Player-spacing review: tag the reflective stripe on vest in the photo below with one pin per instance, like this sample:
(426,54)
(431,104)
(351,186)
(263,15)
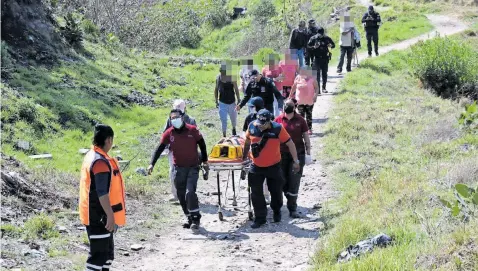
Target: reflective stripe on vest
(116,192)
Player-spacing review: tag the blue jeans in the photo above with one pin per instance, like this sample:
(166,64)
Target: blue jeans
(300,55)
(224,111)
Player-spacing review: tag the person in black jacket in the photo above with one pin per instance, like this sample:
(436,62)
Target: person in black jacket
(311,31)
(263,87)
(298,42)
(371,21)
(320,45)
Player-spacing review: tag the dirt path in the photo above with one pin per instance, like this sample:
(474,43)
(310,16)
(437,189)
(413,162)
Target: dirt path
(231,244)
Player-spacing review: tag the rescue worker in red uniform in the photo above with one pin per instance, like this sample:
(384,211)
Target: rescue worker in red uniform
(264,138)
(298,129)
(183,140)
(102,199)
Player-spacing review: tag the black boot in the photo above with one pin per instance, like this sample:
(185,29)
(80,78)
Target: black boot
(188,223)
(195,221)
(257,223)
(223,134)
(277,216)
(234,131)
(294,214)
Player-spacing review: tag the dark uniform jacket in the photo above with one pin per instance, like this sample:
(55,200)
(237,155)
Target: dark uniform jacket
(298,39)
(323,42)
(371,21)
(265,89)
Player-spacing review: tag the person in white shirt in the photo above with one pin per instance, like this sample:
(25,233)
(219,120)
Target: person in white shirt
(347,42)
(247,67)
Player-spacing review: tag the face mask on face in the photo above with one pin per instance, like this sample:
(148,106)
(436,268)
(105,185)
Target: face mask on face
(177,123)
(288,109)
(253,109)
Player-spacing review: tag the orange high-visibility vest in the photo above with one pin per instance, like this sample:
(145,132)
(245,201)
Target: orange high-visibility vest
(116,193)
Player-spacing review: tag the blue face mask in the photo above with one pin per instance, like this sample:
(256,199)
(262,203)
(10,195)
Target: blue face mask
(252,109)
(177,123)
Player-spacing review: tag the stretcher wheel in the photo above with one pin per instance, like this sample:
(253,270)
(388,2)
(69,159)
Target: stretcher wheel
(221,217)
(251,216)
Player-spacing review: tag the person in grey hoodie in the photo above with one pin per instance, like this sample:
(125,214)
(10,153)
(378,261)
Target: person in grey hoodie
(347,42)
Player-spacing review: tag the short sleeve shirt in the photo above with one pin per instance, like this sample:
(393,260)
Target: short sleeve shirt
(183,144)
(270,154)
(289,69)
(273,73)
(296,127)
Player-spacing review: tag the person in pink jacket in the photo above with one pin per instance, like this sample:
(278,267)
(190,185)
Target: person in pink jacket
(305,90)
(273,71)
(289,69)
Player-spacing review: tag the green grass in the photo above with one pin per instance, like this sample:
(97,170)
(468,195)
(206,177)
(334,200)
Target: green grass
(392,147)
(40,226)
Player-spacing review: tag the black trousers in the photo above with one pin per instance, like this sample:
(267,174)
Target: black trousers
(305,111)
(274,177)
(309,57)
(345,50)
(292,180)
(101,253)
(372,35)
(322,67)
(186,180)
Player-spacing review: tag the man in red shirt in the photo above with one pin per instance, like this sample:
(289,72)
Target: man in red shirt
(183,139)
(297,128)
(264,138)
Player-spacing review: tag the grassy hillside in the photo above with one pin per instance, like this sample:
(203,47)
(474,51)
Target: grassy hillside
(394,149)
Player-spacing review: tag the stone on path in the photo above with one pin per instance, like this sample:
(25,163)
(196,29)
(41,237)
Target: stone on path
(136,247)
(83,151)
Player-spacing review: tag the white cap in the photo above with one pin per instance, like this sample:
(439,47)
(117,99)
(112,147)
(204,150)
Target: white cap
(179,104)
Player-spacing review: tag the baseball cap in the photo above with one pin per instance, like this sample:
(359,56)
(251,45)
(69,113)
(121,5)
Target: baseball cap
(253,72)
(257,102)
(264,116)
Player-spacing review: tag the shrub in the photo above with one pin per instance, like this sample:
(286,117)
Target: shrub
(10,230)
(40,226)
(264,11)
(89,28)
(72,31)
(446,66)
(469,119)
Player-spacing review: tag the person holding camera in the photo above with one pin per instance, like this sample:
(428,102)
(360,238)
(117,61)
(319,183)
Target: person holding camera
(371,21)
(264,138)
(183,140)
(320,43)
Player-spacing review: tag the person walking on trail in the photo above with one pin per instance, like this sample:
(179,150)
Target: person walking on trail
(247,67)
(347,43)
(297,128)
(289,69)
(263,87)
(312,30)
(371,21)
(305,90)
(273,71)
(179,104)
(255,105)
(102,199)
(320,44)
(298,42)
(264,137)
(226,94)
(183,140)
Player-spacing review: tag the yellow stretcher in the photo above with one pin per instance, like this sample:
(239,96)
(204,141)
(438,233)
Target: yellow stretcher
(226,155)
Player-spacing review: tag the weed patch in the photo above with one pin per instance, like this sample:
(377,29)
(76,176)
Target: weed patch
(389,138)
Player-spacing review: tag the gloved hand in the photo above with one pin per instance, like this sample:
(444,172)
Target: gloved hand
(308,159)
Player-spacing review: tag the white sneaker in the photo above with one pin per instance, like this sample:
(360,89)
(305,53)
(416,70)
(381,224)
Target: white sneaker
(173,199)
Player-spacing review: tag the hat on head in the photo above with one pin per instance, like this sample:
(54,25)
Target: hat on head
(257,102)
(311,21)
(264,116)
(179,104)
(253,72)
